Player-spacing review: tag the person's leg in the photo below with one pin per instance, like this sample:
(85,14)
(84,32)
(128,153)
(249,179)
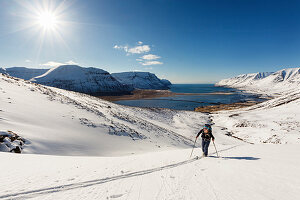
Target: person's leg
(203,146)
(206,147)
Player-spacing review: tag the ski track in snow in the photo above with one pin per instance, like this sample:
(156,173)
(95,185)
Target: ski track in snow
(62,188)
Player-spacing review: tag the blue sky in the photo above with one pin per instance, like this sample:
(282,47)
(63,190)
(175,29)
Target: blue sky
(183,41)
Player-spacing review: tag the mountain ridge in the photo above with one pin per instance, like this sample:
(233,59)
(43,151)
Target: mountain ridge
(89,80)
(142,80)
(273,83)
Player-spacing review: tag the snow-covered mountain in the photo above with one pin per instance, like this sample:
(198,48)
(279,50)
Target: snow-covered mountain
(80,79)
(25,73)
(89,80)
(243,79)
(285,80)
(142,80)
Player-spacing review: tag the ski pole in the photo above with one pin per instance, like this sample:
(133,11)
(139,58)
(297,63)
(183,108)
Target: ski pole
(193,148)
(215,148)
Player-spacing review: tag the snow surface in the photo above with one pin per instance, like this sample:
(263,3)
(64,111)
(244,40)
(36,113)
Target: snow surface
(68,124)
(142,80)
(80,79)
(244,172)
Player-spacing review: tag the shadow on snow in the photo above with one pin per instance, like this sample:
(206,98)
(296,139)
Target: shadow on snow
(237,158)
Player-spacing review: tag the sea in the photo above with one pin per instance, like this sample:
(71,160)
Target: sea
(190,102)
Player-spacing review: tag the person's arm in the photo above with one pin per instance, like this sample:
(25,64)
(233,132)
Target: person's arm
(199,133)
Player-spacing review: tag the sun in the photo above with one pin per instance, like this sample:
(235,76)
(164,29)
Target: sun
(47,20)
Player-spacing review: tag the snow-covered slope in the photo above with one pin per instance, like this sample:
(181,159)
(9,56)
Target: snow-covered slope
(86,80)
(274,121)
(25,73)
(62,122)
(282,81)
(142,80)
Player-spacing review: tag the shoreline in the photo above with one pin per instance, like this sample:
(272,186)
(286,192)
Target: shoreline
(140,94)
(222,107)
(150,94)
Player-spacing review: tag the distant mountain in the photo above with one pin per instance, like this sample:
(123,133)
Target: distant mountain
(272,82)
(142,80)
(25,73)
(243,79)
(90,80)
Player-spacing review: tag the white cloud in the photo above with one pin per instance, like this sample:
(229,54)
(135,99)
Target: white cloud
(56,64)
(28,61)
(152,63)
(139,49)
(52,64)
(150,57)
(134,50)
(125,48)
(71,62)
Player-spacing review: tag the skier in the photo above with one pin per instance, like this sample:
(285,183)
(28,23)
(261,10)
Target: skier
(206,136)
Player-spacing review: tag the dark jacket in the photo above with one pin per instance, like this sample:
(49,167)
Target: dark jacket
(206,136)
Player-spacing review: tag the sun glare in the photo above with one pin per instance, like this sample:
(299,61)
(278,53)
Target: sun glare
(47,20)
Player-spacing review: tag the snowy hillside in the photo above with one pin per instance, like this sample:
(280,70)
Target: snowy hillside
(282,81)
(275,121)
(25,73)
(86,80)
(142,80)
(62,122)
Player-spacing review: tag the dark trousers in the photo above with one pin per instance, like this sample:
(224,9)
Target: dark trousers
(205,144)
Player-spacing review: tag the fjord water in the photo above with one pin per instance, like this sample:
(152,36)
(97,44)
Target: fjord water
(190,102)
